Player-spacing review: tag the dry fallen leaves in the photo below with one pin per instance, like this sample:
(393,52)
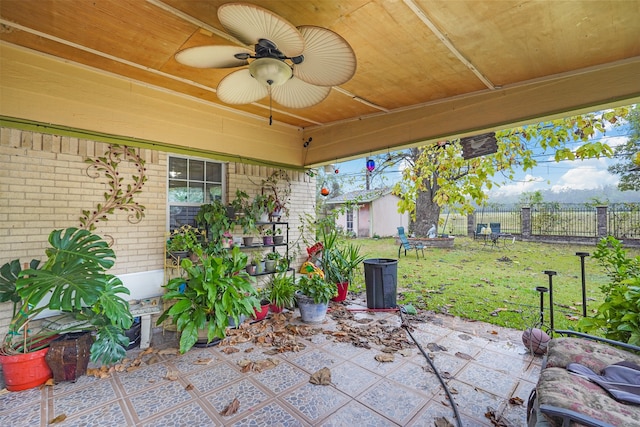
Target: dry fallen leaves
(384,357)
(231,409)
(60,418)
(321,377)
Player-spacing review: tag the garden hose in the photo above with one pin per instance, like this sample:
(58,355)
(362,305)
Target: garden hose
(410,310)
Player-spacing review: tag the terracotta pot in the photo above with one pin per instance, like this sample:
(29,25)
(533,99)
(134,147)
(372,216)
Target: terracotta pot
(343,290)
(25,370)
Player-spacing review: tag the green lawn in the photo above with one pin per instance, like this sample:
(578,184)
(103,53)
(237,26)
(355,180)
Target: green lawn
(496,285)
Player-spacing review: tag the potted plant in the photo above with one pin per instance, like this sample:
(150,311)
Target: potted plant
(213,218)
(74,280)
(262,207)
(216,290)
(339,264)
(281,291)
(278,238)
(246,216)
(278,187)
(261,313)
(271,260)
(312,296)
(185,241)
(267,236)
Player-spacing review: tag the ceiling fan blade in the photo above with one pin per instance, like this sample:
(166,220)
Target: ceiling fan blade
(328,58)
(297,94)
(212,56)
(240,88)
(249,23)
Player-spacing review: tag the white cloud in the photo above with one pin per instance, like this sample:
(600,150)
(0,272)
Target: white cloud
(529,183)
(584,177)
(614,141)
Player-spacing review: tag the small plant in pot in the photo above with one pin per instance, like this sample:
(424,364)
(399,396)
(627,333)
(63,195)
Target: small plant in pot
(312,296)
(184,241)
(216,290)
(246,216)
(267,237)
(271,261)
(281,291)
(261,313)
(278,238)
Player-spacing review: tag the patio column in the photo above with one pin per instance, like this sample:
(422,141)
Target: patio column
(601,218)
(471,224)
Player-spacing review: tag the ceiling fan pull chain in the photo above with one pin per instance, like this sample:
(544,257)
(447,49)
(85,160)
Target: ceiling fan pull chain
(270,107)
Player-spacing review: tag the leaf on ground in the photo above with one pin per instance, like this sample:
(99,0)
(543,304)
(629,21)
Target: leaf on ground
(464,356)
(189,387)
(168,351)
(50,382)
(406,352)
(229,350)
(442,422)
(60,418)
(573,317)
(203,361)
(384,357)
(321,377)
(498,310)
(171,376)
(516,401)
(146,351)
(231,409)
(435,347)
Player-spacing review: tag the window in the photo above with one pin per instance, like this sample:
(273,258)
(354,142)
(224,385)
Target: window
(350,220)
(192,183)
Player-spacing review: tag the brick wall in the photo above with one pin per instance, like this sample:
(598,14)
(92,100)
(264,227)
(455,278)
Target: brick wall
(44,186)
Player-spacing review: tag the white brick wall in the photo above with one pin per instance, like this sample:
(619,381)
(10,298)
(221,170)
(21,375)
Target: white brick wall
(44,186)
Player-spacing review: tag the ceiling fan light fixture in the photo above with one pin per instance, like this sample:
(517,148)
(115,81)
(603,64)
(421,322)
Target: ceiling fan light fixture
(270,71)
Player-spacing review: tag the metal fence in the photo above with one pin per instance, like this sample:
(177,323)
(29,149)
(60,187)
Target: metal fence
(623,220)
(566,219)
(553,219)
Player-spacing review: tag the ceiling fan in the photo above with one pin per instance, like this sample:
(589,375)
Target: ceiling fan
(295,67)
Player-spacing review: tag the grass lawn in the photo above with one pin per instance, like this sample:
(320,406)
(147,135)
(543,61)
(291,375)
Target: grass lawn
(494,284)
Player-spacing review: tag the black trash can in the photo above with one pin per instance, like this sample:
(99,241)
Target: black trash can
(381,281)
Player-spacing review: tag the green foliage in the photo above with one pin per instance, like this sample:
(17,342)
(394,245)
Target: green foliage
(74,278)
(282,289)
(213,218)
(216,289)
(629,155)
(316,287)
(618,317)
(441,173)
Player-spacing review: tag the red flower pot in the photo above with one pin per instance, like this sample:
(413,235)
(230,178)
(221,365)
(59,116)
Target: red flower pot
(275,309)
(25,370)
(343,289)
(262,313)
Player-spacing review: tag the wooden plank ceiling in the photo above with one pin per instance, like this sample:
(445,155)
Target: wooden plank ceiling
(410,54)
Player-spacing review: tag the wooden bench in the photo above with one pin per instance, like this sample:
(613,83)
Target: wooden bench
(143,309)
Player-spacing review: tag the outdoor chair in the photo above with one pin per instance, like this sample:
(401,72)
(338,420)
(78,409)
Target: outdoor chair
(478,233)
(407,245)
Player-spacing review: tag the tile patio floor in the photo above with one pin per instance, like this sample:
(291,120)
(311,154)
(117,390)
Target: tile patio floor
(484,366)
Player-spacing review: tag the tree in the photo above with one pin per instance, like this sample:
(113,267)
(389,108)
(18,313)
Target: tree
(439,176)
(629,153)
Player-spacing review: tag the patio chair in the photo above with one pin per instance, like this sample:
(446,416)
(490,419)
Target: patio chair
(479,231)
(407,245)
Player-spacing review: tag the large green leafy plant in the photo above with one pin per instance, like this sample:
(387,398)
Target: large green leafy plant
(618,317)
(74,279)
(216,288)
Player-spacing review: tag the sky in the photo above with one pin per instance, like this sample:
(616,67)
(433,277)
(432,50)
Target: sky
(547,175)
